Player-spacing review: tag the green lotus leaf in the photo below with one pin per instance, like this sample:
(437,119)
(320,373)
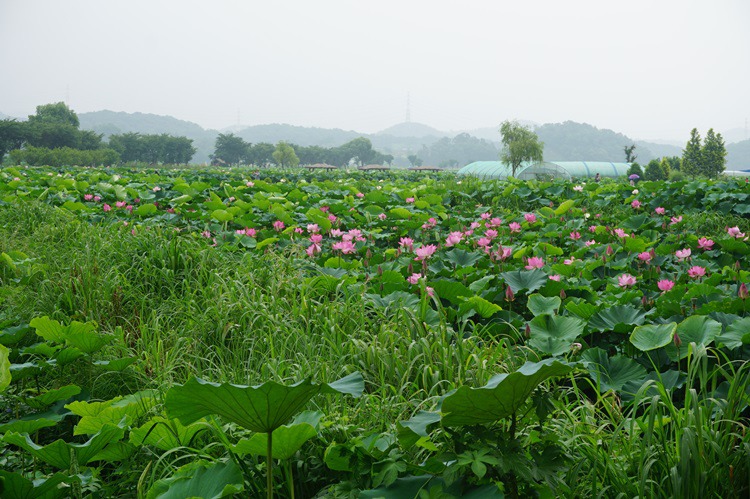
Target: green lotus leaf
(554,334)
(652,336)
(199,479)
(261,408)
(541,305)
(733,337)
(619,318)
(502,396)
(165,434)
(15,485)
(51,396)
(484,308)
(5,376)
(530,280)
(612,373)
(698,329)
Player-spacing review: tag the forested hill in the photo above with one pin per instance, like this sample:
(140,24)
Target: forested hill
(738,156)
(568,141)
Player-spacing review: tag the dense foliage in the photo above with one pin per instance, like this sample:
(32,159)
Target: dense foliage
(210,333)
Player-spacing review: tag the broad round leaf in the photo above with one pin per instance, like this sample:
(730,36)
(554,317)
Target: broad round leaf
(698,329)
(553,334)
(612,373)
(652,336)
(540,305)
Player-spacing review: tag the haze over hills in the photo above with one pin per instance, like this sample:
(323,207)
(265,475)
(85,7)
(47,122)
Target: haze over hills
(568,141)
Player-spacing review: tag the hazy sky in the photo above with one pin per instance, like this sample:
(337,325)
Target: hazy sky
(646,68)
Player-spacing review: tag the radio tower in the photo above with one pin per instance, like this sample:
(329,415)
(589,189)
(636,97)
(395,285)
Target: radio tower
(408,107)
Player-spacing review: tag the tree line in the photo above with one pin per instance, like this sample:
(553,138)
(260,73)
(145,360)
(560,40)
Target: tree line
(706,158)
(52,137)
(233,150)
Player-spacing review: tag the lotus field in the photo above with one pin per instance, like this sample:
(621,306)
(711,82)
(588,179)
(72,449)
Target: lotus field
(241,333)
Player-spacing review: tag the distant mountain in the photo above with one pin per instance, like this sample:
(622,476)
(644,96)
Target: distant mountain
(112,123)
(409,129)
(657,149)
(738,155)
(300,135)
(735,135)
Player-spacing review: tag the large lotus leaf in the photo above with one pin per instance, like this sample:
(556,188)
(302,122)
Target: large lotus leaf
(26,425)
(4,368)
(87,340)
(49,329)
(94,415)
(261,408)
(462,258)
(200,480)
(582,309)
(564,207)
(285,441)
(51,396)
(318,217)
(395,300)
(734,334)
(453,291)
(412,487)
(698,329)
(541,305)
(166,434)
(415,429)
(16,486)
(145,210)
(619,318)
(553,334)
(502,396)
(484,308)
(652,336)
(525,279)
(57,453)
(735,246)
(12,335)
(612,373)
(82,336)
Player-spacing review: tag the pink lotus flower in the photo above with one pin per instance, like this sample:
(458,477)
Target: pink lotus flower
(626,281)
(555,277)
(360,195)
(696,271)
(504,253)
(106,207)
(495,222)
(313,228)
(324,209)
(578,188)
(569,261)
(312,250)
(635,204)
(485,215)
(410,200)
(88,197)
(156,188)
(453,239)
(299,230)
(250,183)
(621,233)
(645,256)
(592,228)
(682,254)
(490,234)
(332,218)
(534,263)
(742,292)
(475,225)
(130,209)
(514,227)
(530,217)
(382,216)
(484,242)
(575,235)
(97,198)
(430,292)
(665,285)
(735,232)
(705,244)
(120,204)
(206,234)
(675,220)
(278,225)
(425,252)
(344,247)
(407,243)
(660,211)
(590,242)
(248,231)
(315,238)
(414,278)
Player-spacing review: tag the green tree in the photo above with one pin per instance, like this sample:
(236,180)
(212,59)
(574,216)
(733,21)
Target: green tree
(629,156)
(284,155)
(713,154)
(635,169)
(360,150)
(13,134)
(230,149)
(414,160)
(519,144)
(692,156)
(654,171)
(261,154)
(57,114)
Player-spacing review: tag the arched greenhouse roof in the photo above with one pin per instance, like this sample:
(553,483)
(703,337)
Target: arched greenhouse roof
(546,169)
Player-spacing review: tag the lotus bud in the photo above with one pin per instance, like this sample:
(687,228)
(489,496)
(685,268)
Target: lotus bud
(509,295)
(644,300)
(562,294)
(743,293)
(368,254)
(380,270)
(528,331)
(658,269)
(677,340)
(737,265)
(575,347)
(610,251)
(410,269)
